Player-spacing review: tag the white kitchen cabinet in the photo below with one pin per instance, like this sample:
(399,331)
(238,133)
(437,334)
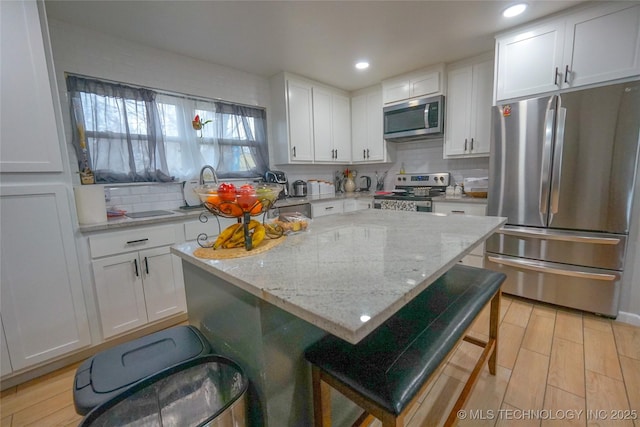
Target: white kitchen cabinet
(5,359)
(367,143)
(351,205)
(476,256)
(589,46)
(292,119)
(28,116)
(469,102)
(412,85)
(329,207)
(137,279)
(42,302)
(331,126)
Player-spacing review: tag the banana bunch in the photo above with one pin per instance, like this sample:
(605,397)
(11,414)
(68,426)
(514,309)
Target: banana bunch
(233,236)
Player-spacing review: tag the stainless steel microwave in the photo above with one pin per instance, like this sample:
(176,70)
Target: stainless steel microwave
(416,119)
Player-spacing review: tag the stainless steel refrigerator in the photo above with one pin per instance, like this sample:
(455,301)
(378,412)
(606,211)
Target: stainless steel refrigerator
(562,170)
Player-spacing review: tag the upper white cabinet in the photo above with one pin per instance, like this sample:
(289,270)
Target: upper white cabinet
(42,302)
(589,46)
(29,140)
(412,85)
(331,126)
(312,122)
(469,101)
(367,143)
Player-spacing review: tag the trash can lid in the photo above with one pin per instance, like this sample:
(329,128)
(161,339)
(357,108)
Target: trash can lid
(130,362)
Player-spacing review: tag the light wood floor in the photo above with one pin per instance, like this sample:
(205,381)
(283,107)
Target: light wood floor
(553,363)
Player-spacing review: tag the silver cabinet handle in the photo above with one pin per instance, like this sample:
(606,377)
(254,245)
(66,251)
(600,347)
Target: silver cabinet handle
(566,74)
(528,233)
(555,77)
(294,151)
(458,212)
(465,144)
(367,153)
(541,268)
(131,242)
(364,153)
(471,149)
(336,153)
(328,208)
(146,265)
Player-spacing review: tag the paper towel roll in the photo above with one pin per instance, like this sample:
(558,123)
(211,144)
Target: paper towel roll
(90,204)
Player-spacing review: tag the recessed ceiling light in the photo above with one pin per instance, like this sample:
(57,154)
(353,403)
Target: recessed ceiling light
(362,65)
(514,10)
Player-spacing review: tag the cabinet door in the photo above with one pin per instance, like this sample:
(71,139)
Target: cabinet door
(42,301)
(341,125)
(602,44)
(528,62)
(28,133)
(300,121)
(458,116)
(481,103)
(322,126)
(396,90)
(377,146)
(120,295)
(163,283)
(359,129)
(326,208)
(5,360)
(425,84)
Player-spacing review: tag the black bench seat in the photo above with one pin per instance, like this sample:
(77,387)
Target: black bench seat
(386,371)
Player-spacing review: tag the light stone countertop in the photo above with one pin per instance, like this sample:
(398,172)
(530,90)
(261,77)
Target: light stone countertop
(176,215)
(463,199)
(351,272)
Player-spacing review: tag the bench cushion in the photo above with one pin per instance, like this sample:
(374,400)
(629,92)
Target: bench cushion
(389,365)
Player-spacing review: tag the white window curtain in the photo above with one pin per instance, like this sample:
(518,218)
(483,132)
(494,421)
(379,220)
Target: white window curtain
(138,134)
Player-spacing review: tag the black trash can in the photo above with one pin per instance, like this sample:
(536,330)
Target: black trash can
(110,372)
(209,391)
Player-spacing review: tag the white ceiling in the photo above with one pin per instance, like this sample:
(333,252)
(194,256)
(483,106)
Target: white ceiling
(318,39)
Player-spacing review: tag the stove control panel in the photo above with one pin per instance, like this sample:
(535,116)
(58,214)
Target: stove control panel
(423,179)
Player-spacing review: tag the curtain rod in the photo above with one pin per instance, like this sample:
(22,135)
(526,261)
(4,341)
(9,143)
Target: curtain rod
(164,91)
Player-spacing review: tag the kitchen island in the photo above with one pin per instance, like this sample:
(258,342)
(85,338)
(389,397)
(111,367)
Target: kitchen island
(345,276)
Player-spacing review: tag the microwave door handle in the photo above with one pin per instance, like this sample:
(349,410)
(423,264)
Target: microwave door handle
(427,110)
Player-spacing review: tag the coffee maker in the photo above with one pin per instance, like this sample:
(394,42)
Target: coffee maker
(278,177)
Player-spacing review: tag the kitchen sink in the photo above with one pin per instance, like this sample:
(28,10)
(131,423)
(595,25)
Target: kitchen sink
(147,214)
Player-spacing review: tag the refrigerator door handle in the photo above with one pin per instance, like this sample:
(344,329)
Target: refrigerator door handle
(546,162)
(557,162)
(564,237)
(539,266)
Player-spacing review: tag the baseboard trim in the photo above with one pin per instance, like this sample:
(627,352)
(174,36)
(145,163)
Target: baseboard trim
(36,371)
(630,318)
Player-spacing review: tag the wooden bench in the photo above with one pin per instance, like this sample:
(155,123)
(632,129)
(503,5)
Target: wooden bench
(388,370)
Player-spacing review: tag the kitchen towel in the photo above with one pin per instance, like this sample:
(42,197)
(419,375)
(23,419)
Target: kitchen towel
(90,204)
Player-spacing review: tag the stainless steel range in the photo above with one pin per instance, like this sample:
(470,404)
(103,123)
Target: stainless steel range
(413,192)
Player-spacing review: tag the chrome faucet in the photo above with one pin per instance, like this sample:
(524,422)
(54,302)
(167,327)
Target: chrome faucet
(213,171)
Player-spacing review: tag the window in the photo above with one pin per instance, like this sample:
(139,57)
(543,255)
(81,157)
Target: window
(127,134)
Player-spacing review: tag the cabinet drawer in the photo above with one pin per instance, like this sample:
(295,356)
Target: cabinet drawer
(460,208)
(326,208)
(131,240)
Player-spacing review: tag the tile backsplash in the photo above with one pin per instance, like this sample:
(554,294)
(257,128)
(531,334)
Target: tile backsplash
(145,197)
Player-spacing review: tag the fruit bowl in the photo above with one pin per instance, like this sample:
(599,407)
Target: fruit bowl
(228,201)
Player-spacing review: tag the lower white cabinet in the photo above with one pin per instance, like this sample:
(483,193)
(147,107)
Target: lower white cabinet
(135,282)
(42,302)
(360,203)
(476,256)
(5,360)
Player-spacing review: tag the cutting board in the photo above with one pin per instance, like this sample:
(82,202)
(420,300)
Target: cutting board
(190,197)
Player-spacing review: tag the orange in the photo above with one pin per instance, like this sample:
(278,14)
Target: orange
(230,209)
(257,209)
